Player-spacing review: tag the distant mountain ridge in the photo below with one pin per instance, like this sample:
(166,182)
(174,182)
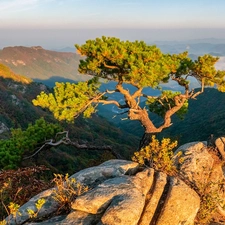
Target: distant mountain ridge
(41,64)
(194,47)
(65,49)
(48,66)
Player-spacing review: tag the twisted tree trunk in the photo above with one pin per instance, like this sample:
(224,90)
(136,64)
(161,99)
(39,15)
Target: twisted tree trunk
(145,140)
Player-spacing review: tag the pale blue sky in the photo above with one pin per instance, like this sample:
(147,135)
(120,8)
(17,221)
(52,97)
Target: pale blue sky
(112,13)
(145,19)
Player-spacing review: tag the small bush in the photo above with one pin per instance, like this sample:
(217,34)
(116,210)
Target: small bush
(40,202)
(210,201)
(66,191)
(158,155)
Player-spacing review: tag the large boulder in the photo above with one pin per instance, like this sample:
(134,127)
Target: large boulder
(220,144)
(121,193)
(116,198)
(48,208)
(88,177)
(181,204)
(153,198)
(203,170)
(197,164)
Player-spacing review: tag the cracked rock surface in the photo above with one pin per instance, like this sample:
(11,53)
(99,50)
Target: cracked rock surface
(120,194)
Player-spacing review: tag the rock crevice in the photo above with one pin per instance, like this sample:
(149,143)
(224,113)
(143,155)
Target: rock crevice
(120,194)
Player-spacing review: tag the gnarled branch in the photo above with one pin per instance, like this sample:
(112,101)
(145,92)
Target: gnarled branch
(137,93)
(66,141)
(110,67)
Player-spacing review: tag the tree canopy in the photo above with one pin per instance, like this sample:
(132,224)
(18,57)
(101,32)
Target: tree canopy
(140,65)
(70,99)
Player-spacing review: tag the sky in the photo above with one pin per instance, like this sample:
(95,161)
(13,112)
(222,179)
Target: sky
(62,23)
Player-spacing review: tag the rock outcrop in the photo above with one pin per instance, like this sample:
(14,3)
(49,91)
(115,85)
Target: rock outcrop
(123,193)
(203,170)
(120,193)
(197,164)
(3,128)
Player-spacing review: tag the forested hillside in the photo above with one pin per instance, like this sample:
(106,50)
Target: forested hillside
(16,93)
(17,111)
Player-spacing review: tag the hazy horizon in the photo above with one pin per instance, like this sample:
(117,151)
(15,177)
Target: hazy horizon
(62,23)
(56,39)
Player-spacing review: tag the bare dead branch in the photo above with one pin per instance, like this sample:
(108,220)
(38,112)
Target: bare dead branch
(66,141)
(110,92)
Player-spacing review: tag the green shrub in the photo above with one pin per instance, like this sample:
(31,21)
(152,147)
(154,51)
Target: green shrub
(25,142)
(158,155)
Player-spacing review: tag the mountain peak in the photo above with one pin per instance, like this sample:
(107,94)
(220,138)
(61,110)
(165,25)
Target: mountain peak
(37,48)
